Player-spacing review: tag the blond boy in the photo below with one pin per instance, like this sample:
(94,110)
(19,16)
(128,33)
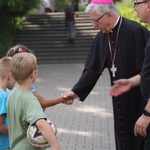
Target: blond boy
(23,107)
(6,81)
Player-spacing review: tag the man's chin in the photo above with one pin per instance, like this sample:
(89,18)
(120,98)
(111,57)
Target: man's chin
(104,31)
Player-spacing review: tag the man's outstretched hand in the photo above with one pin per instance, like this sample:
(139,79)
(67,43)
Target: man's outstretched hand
(120,86)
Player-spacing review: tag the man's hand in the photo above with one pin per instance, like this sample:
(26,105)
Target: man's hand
(123,85)
(69,97)
(120,86)
(141,125)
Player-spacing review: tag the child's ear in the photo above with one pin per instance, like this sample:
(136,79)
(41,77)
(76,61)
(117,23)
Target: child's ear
(33,74)
(10,75)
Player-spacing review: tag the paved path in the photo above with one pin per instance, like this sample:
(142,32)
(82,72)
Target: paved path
(84,125)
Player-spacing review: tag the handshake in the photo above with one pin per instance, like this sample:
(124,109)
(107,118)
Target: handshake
(68,97)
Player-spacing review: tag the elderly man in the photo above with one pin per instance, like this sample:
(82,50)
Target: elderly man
(119,47)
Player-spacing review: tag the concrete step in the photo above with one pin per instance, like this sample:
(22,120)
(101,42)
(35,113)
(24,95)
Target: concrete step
(47,37)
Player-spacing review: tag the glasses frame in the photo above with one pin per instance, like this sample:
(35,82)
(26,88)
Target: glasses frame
(97,20)
(138,3)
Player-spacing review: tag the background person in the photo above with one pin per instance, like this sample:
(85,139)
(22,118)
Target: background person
(142,125)
(70,22)
(47,6)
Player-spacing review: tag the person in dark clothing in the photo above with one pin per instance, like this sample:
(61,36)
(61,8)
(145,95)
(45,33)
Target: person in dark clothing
(47,6)
(76,5)
(70,23)
(119,47)
(142,125)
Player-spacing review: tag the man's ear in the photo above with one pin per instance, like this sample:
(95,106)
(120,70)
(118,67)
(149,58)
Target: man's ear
(148,8)
(109,14)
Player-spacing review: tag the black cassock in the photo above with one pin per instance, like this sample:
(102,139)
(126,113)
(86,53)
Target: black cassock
(128,107)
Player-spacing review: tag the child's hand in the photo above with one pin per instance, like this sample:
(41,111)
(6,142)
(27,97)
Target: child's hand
(69,97)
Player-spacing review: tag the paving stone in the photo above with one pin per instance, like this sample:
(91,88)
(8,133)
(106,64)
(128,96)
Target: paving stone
(84,125)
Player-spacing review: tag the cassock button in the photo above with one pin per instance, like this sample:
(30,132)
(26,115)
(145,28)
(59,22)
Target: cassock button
(120,116)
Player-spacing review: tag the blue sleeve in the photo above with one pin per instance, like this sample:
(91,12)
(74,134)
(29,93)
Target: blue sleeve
(3,100)
(8,91)
(32,89)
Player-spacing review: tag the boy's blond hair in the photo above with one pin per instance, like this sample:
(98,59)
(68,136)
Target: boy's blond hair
(4,67)
(22,66)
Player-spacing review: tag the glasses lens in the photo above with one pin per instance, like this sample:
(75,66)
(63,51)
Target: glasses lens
(97,20)
(135,4)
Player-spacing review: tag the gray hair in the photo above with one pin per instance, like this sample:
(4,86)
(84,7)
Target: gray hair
(102,8)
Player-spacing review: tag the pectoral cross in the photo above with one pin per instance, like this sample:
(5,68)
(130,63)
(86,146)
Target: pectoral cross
(113,70)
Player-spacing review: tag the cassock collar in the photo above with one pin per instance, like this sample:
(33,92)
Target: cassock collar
(116,24)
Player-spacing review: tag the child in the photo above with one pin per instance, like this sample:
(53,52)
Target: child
(23,107)
(44,102)
(6,81)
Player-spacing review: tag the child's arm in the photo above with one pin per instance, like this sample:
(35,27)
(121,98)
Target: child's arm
(48,102)
(3,127)
(48,133)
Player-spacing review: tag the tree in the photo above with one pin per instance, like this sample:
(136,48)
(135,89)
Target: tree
(12,14)
(10,10)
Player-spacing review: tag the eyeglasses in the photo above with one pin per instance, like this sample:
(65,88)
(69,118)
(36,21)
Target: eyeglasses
(97,20)
(138,3)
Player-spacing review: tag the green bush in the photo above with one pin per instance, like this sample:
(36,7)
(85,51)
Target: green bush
(13,13)
(59,6)
(81,7)
(8,30)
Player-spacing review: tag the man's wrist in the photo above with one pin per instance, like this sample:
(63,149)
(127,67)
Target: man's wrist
(135,81)
(146,112)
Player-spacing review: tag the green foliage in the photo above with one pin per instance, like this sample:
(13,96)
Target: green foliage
(61,5)
(117,1)
(13,13)
(6,38)
(81,7)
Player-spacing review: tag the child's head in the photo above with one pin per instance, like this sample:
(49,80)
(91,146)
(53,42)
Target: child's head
(5,73)
(18,49)
(23,66)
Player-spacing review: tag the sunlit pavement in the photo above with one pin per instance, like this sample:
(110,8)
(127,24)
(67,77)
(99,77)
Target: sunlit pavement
(84,125)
